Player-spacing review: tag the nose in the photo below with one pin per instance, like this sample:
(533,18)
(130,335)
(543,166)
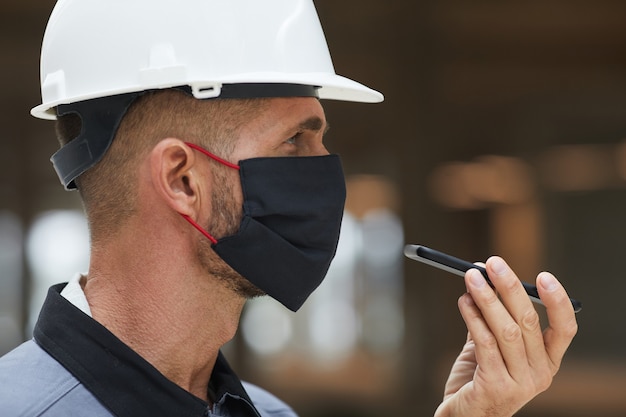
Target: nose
(320,150)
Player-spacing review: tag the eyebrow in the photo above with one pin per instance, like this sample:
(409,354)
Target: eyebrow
(314,123)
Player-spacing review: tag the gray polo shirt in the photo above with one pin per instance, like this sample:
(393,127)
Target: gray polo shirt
(76,367)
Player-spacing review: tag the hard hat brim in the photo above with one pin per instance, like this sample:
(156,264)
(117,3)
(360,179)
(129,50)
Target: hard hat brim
(330,87)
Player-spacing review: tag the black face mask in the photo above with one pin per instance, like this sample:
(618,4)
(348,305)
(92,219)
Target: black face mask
(292,214)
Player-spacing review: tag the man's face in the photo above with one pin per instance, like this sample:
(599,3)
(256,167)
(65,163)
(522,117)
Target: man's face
(283,127)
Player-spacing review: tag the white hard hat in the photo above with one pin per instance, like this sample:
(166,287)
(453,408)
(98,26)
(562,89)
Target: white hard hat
(100,48)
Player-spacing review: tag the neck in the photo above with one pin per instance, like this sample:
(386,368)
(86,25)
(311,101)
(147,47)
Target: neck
(173,313)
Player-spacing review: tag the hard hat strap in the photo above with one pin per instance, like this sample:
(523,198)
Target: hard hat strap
(100,119)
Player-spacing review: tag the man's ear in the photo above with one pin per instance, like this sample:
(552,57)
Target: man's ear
(174,174)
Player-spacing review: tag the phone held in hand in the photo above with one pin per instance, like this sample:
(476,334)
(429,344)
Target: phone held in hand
(459,267)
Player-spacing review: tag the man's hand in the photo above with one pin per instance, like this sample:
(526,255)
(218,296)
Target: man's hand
(507,359)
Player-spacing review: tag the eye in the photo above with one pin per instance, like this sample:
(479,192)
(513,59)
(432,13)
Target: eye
(292,140)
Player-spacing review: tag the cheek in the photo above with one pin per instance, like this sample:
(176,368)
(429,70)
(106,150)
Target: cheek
(314,148)
(227,204)
(228,188)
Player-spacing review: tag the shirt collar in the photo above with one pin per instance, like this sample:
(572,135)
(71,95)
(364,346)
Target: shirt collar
(74,293)
(122,380)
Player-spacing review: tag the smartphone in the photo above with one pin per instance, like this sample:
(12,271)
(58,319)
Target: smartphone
(459,267)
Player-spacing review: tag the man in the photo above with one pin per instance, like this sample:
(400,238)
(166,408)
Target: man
(193,131)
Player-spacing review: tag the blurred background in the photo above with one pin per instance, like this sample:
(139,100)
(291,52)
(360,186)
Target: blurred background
(503,132)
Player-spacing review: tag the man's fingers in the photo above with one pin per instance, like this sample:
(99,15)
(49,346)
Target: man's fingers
(498,330)
(521,309)
(562,320)
(487,353)
(513,359)
(513,314)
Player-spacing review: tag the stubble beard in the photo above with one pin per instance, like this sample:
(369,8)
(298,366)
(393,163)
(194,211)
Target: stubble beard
(225,221)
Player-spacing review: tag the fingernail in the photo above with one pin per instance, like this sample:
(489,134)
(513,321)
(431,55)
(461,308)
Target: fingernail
(476,278)
(499,266)
(548,282)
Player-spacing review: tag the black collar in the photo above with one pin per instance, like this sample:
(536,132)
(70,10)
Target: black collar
(123,381)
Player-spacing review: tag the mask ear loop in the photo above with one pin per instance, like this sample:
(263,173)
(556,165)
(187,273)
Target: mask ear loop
(221,161)
(212,156)
(200,228)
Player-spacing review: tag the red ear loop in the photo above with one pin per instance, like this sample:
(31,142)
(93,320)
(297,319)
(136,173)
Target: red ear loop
(221,161)
(200,228)
(210,155)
